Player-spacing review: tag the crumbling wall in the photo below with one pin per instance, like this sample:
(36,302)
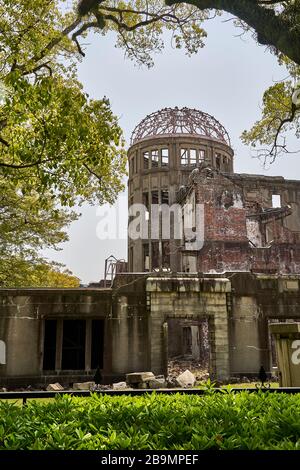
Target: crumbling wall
(242,229)
(255,299)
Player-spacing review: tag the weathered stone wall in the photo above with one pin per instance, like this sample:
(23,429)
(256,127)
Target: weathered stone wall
(189,298)
(22,316)
(256,300)
(136,312)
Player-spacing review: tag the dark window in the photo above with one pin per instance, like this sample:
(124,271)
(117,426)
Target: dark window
(154,197)
(164,196)
(73,348)
(97,344)
(155,254)
(218,161)
(49,345)
(166,254)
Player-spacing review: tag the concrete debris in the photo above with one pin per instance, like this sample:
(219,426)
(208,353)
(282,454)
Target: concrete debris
(157,383)
(83,385)
(56,387)
(120,386)
(179,365)
(136,378)
(187,379)
(3,389)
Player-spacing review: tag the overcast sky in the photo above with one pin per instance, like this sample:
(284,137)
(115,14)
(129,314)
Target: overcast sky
(226,79)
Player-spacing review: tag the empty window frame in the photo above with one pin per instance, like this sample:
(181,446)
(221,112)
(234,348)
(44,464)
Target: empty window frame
(276,200)
(193,157)
(146,160)
(73,347)
(164,196)
(184,157)
(155,255)
(201,155)
(146,257)
(154,197)
(164,157)
(154,158)
(146,204)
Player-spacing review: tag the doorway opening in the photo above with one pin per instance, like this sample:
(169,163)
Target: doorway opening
(189,347)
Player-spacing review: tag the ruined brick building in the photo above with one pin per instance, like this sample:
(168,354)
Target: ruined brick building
(206,284)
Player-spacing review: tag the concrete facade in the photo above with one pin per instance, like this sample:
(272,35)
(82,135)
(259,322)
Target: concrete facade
(135,315)
(211,293)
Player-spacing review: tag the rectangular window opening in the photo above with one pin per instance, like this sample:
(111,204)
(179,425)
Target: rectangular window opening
(154,197)
(201,154)
(155,254)
(146,160)
(164,157)
(154,158)
(164,196)
(193,157)
(184,157)
(146,204)
(276,201)
(146,257)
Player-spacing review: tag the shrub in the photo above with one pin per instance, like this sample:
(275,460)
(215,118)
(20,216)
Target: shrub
(181,422)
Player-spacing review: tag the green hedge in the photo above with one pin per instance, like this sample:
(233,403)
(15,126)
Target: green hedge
(212,421)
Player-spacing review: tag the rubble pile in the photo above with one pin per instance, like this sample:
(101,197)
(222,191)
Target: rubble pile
(180,365)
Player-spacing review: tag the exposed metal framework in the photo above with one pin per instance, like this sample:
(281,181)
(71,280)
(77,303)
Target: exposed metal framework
(180,121)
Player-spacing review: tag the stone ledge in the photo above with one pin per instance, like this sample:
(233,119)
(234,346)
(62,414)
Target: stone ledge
(188,284)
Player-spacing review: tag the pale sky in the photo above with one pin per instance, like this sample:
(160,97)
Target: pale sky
(226,79)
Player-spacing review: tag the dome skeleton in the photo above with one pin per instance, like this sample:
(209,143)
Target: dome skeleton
(187,121)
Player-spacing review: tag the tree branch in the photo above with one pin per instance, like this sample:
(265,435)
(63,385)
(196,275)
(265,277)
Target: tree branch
(271,29)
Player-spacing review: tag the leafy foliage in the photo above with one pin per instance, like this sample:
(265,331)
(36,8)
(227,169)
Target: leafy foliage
(178,422)
(60,142)
(57,146)
(28,223)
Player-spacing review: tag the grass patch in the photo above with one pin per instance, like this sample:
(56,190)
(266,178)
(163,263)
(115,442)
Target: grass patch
(181,422)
